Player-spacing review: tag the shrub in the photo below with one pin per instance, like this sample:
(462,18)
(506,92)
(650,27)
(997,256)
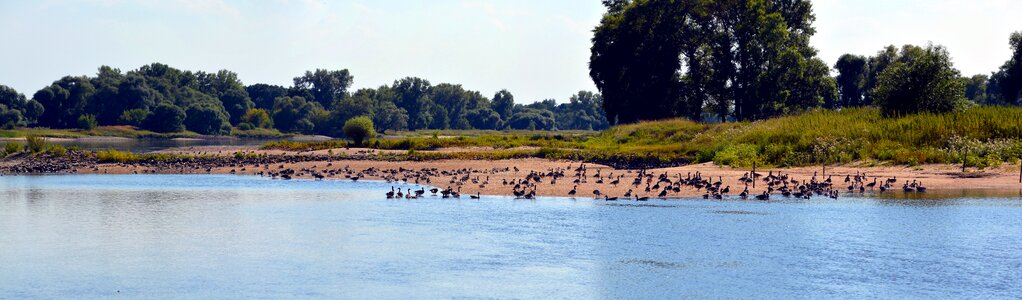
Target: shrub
(11,148)
(35,144)
(358,129)
(87,122)
(116,156)
(741,156)
(134,117)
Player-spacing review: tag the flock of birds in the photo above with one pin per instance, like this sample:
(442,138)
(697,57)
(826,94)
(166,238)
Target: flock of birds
(643,184)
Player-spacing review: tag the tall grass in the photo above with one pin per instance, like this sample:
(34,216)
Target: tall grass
(980,136)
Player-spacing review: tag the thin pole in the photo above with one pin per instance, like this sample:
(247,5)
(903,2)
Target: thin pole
(753,174)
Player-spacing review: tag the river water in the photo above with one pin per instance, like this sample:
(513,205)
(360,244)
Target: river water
(216,236)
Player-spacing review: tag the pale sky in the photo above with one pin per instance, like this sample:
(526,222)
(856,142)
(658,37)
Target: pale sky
(537,49)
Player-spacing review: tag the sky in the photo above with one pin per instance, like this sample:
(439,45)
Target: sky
(537,49)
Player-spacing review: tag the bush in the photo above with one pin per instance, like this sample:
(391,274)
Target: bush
(56,150)
(115,156)
(35,144)
(739,156)
(207,119)
(358,129)
(166,117)
(87,122)
(134,117)
(11,148)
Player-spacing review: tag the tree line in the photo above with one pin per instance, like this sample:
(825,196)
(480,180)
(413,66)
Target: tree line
(160,98)
(751,59)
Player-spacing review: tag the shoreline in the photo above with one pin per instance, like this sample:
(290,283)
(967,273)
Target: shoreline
(498,177)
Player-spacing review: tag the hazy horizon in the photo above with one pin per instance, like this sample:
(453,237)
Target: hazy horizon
(535,49)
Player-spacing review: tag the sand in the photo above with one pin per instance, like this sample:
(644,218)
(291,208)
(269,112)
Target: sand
(496,172)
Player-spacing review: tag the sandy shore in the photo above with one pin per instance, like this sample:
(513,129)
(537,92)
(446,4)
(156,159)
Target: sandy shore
(488,177)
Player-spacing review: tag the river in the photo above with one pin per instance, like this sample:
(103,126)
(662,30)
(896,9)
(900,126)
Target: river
(220,236)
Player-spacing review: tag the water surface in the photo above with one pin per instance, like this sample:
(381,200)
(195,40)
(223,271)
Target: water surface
(216,236)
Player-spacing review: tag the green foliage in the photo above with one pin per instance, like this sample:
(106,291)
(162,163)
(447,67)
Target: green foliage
(12,148)
(1005,86)
(258,118)
(87,122)
(115,156)
(740,59)
(358,129)
(134,117)
(853,72)
(208,119)
(740,156)
(920,80)
(166,117)
(35,144)
(815,137)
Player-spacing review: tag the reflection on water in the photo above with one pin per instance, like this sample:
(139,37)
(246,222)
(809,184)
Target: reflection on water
(933,194)
(211,236)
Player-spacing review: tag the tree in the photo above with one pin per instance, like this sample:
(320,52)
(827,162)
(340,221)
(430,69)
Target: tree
(106,104)
(503,104)
(390,117)
(1006,83)
(526,118)
(324,86)
(851,80)
(746,59)
(412,95)
(920,80)
(166,117)
(257,118)
(877,65)
(358,128)
(484,118)
(976,88)
(87,122)
(263,95)
(15,110)
(134,117)
(63,101)
(292,114)
(207,118)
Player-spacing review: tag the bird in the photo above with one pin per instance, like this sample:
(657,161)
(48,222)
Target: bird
(476,196)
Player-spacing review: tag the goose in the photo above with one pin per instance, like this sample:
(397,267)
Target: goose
(390,194)
(609,198)
(476,196)
(764,196)
(573,191)
(597,193)
(637,198)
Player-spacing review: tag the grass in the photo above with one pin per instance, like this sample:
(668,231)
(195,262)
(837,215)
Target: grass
(980,137)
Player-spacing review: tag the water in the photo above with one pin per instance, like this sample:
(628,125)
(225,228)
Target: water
(211,236)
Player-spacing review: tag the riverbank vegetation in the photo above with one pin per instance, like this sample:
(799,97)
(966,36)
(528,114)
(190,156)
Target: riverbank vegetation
(982,136)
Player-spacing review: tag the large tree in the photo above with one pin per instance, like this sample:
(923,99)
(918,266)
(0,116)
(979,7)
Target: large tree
(852,75)
(64,101)
(920,80)
(324,86)
(746,59)
(1006,83)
